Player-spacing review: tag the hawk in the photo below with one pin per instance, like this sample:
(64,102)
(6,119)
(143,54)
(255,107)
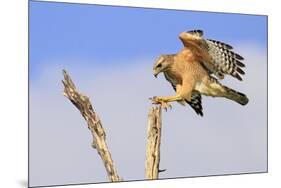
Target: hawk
(195,70)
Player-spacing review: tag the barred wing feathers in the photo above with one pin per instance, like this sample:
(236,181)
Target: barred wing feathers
(217,57)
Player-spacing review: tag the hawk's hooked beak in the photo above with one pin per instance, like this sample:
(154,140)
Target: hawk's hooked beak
(155,73)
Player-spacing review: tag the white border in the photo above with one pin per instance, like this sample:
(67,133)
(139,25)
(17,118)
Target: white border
(13,95)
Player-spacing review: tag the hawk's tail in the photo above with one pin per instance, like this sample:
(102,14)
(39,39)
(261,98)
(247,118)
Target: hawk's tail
(236,96)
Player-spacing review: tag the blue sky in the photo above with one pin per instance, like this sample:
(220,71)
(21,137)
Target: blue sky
(112,34)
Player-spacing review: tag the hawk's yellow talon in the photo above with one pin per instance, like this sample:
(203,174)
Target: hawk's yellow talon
(163,103)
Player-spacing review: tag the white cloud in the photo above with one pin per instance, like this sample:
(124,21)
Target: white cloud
(229,138)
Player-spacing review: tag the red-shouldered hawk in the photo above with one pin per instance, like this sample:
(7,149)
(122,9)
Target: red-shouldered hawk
(190,71)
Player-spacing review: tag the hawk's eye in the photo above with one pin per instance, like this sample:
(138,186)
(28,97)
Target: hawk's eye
(159,65)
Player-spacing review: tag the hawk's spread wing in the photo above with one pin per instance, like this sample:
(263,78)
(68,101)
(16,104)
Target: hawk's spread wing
(195,102)
(217,57)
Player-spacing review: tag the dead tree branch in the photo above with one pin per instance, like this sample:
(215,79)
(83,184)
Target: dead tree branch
(84,105)
(153,143)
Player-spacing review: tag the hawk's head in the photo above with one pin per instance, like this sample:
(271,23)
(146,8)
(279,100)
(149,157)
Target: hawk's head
(162,64)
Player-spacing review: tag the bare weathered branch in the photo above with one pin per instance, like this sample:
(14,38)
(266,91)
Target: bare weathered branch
(153,143)
(84,105)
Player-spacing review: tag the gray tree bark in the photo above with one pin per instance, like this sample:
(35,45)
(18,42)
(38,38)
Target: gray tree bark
(153,143)
(84,105)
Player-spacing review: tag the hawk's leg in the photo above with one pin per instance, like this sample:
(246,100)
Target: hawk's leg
(164,101)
